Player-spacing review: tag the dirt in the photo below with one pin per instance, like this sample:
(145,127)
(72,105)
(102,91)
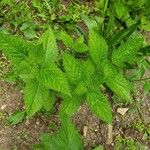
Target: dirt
(25,134)
(93,131)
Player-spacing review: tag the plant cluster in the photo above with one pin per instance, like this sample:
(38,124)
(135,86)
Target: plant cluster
(90,68)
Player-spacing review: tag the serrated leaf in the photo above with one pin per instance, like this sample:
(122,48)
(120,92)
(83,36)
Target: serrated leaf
(99,105)
(98,48)
(16,117)
(15,48)
(66,139)
(50,46)
(117,83)
(25,71)
(73,68)
(34,95)
(52,77)
(70,105)
(127,51)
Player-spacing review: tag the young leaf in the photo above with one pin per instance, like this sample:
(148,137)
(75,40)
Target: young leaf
(16,117)
(52,77)
(67,139)
(73,68)
(98,47)
(99,104)
(34,95)
(117,83)
(50,46)
(70,105)
(127,51)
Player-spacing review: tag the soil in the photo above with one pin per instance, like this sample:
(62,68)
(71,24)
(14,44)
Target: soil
(93,131)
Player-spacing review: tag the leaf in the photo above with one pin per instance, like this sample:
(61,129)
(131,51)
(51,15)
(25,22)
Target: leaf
(15,48)
(147,86)
(80,46)
(16,117)
(73,68)
(99,105)
(70,105)
(66,39)
(48,104)
(34,95)
(25,71)
(81,89)
(100,147)
(77,45)
(52,77)
(117,83)
(90,23)
(127,51)
(98,48)
(122,35)
(66,139)
(50,46)
(120,9)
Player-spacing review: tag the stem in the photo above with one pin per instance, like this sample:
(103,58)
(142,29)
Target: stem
(143,79)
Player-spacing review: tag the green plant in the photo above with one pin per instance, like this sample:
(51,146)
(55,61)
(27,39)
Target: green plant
(128,143)
(85,72)
(67,138)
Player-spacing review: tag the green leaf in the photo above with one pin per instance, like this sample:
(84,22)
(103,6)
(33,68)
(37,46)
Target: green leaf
(15,48)
(127,51)
(120,9)
(98,48)
(100,147)
(25,71)
(70,105)
(147,86)
(80,46)
(66,139)
(66,39)
(50,46)
(99,105)
(77,45)
(122,35)
(73,68)
(52,77)
(16,117)
(117,83)
(81,89)
(34,96)
(88,69)
(49,103)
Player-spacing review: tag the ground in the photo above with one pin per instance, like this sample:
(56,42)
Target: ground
(128,130)
(94,132)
